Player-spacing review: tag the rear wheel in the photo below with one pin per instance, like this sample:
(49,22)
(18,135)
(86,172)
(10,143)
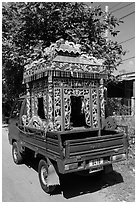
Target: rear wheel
(43,177)
(17,156)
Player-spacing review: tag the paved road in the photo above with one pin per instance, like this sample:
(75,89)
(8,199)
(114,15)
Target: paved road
(20,183)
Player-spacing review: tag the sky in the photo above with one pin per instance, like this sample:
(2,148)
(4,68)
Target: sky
(127,31)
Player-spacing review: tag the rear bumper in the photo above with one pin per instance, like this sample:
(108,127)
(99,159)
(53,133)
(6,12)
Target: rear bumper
(65,167)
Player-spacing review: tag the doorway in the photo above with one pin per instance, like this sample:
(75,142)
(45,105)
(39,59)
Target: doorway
(77,117)
(41,113)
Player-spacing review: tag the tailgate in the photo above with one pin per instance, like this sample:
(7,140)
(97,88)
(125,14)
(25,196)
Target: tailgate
(109,143)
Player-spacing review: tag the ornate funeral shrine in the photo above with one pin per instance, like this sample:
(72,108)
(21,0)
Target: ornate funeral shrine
(64,90)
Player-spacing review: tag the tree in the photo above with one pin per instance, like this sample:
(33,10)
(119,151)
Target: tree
(28,27)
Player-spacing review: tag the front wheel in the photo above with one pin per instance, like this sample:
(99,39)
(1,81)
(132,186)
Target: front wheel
(17,156)
(43,177)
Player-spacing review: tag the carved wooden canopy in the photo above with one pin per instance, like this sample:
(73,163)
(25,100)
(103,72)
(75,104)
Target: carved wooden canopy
(64,59)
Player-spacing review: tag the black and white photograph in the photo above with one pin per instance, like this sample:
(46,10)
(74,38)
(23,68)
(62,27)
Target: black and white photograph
(68,101)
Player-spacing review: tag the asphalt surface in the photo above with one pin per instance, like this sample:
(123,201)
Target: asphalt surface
(20,183)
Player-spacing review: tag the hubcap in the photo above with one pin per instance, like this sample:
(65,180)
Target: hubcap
(44,175)
(15,154)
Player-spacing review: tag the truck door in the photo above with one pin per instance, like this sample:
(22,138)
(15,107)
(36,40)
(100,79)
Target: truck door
(13,121)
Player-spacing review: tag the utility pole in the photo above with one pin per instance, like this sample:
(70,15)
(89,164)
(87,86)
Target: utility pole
(103,87)
(106,32)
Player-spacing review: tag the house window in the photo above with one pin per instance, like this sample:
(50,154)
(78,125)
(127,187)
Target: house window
(41,112)
(77,117)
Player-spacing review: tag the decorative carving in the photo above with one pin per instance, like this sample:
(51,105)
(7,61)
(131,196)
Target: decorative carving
(67,104)
(32,105)
(50,109)
(40,69)
(45,105)
(61,46)
(57,109)
(36,122)
(87,107)
(102,101)
(74,67)
(55,123)
(77,83)
(24,120)
(67,107)
(95,111)
(28,103)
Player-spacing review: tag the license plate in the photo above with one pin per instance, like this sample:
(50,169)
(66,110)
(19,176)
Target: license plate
(95,162)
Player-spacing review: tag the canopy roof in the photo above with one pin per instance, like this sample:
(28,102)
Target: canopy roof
(63,56)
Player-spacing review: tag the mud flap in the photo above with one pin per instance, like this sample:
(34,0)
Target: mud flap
(53,178)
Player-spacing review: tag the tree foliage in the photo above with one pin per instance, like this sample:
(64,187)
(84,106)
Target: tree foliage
(28,27)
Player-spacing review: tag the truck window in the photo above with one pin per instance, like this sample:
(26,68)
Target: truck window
(41,113)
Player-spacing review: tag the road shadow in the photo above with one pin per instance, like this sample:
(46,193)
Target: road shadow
(72,185)
(32,162)
(75,185)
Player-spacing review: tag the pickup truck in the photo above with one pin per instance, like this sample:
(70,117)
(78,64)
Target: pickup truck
(62,152)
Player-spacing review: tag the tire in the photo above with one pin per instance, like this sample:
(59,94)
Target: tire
(43,177)
(17,156)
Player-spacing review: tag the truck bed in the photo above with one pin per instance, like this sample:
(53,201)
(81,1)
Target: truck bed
(77,147)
